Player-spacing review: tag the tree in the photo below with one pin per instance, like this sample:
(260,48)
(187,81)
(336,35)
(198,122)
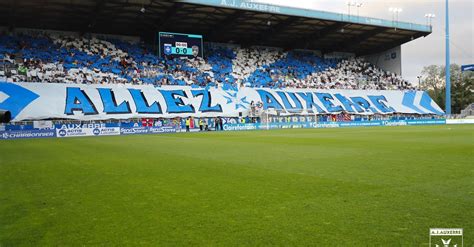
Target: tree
(462,86)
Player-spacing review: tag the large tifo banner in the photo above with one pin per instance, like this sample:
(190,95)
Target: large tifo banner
(35,101)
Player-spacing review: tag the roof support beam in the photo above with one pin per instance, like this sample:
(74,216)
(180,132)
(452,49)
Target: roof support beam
(94,14)
(12,14)
(224,24)
(354,42)
(321,33)
(163,21)
(387,46)
(270,33)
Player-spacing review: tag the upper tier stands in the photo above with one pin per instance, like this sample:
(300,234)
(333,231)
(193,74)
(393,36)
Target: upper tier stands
(71,59)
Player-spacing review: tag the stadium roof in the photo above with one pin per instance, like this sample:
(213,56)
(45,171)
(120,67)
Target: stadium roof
(234,21)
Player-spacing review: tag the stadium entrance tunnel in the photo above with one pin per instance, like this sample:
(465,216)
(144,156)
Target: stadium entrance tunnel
(5,116)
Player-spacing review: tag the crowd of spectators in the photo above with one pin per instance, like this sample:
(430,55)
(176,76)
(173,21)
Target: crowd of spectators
(71,59)
(355,73)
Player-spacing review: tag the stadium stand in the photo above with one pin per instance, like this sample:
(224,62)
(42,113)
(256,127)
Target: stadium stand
(252,66)
(72,59)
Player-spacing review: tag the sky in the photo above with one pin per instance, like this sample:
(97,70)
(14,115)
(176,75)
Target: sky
(423,51)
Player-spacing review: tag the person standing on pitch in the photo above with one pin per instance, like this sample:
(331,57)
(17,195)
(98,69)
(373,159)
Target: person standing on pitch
(216,124)
(221,124)
(188,123)
(206,125)
(201,123)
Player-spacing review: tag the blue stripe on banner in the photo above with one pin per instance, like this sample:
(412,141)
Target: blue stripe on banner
(18,98)
(426,103)
(409,100)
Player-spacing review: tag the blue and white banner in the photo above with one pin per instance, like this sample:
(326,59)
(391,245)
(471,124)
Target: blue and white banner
(77,132)
(300,125)
(99,129)
(133,130)
(467,67)
(21,134)
(147,130)
(93,129)
(36,101)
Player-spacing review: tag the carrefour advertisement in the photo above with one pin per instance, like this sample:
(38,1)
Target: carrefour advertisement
(36,101)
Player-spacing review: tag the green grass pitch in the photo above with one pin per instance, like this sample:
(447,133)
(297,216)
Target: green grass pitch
(383,186)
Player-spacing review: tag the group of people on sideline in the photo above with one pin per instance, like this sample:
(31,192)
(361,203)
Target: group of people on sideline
(205,123)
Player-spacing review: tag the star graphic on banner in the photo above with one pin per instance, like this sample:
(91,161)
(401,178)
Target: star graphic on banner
(3,97)
(240,102)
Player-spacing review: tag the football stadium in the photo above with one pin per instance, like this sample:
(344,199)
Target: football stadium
(225,123)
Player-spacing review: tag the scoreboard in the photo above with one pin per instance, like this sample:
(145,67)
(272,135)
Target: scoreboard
(180,45)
